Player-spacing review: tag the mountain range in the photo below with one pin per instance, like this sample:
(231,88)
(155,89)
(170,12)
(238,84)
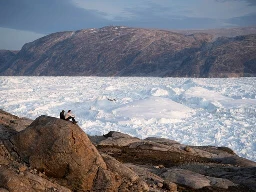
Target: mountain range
(126,51)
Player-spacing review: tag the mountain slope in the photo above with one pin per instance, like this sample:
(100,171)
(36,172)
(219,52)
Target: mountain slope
(225,57)
(5,57)
(122,51)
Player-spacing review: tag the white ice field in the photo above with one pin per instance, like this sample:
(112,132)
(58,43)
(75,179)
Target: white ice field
(219,112)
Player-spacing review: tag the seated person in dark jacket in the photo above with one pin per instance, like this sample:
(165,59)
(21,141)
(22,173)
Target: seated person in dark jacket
(62,115)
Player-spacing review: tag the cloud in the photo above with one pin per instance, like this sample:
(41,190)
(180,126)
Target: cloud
(249,2)
(110,9)
(47,16)
(247,20)
(199,14)
(178,16)
(245,12)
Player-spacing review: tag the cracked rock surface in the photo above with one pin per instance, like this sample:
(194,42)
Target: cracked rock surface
(55,155)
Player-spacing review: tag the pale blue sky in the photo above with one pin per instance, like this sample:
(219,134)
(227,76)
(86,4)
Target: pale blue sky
(23,21)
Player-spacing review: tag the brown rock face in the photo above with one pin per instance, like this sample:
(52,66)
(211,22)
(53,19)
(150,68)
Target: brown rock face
(162,162)
(56,155)
(10,124)
(124,51)
(51,151)
(27,182)
(61,150)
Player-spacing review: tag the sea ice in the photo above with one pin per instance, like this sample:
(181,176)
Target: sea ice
(220,112)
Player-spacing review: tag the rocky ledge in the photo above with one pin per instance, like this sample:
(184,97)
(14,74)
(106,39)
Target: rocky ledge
(49,154)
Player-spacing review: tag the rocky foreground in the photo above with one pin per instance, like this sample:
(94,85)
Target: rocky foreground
(49,154)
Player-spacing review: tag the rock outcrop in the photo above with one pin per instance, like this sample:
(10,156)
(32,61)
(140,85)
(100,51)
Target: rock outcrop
(167,164)
(62,153)
(51,154)
(124,51)
(61,150)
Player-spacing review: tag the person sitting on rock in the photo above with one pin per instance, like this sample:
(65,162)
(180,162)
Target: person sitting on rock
(62,115)
(69,116)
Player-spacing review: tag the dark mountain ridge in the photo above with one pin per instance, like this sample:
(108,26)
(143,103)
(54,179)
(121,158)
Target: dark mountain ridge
(124,51)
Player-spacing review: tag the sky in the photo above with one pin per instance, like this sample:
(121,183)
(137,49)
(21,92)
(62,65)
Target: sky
(23,21)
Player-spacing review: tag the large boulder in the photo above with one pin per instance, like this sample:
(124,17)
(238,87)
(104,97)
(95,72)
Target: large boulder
(61,150)
(52,150)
